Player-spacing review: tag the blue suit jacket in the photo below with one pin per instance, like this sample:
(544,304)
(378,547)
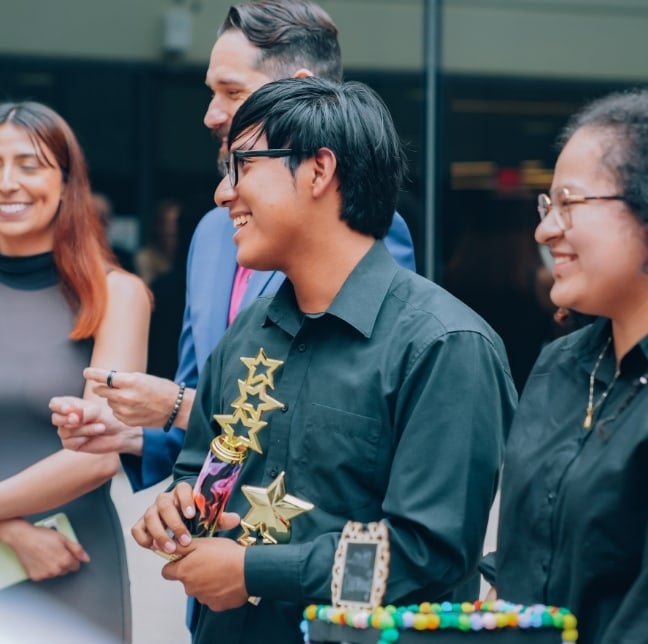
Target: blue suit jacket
(211,266)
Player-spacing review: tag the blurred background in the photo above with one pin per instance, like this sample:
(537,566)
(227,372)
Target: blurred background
(479,90)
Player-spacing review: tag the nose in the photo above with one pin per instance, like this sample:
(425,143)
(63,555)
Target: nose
(225,193)
(215,116)
(547,230)
(7,180)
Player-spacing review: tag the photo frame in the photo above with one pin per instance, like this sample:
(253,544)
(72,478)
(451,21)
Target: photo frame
(361,566)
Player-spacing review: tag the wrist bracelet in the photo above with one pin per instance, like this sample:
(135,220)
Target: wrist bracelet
(176,407)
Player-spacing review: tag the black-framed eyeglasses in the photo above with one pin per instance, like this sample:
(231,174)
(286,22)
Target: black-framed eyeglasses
(235,156)
(560,202)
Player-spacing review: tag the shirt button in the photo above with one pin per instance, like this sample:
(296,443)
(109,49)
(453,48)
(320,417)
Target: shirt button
(301,348)
(273,472)
(284,408)
(551,497)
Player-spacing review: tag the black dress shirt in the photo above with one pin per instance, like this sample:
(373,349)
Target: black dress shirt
(396,401)
(573,518)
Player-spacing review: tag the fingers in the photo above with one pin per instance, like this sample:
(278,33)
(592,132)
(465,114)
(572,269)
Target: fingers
(228,520)
(100,376)
(66,409)
(76,420)
(163,524)
(78,551)
(170,571)
(123,395)
(184,494)
(107,382)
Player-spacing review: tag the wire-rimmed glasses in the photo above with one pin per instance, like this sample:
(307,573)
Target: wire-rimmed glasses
(560,201)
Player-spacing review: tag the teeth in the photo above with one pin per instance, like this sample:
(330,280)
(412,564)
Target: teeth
(240,221)
(12,208)
(562,259)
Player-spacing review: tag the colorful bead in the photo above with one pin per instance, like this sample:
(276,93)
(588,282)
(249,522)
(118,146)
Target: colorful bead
(433,621)
(476,623)
(420,622)
(489,622)
(475,616)
(408,619)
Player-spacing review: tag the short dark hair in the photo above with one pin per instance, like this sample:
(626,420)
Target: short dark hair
(624,115)
(351,120)
(290,34)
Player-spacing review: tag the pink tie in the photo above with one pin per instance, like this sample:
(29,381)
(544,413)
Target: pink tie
(241,279)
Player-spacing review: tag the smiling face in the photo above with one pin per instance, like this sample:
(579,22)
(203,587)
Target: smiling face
(232,76)
(599,260)
(31,187)
(267,207)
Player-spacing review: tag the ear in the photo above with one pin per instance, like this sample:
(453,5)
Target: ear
(324,167)
(302,72)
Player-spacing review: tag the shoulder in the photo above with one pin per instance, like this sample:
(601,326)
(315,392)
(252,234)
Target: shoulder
(214,221)
(422,299)
(568,347)
(126,287)
(422,320)
(214,228)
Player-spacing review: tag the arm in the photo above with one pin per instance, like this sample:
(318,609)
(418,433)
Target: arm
(142,403)
(455,406)
(160,449)
(429,492)
(134,398)
(71,474)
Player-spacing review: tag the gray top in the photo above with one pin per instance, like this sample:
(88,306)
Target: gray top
(38,362)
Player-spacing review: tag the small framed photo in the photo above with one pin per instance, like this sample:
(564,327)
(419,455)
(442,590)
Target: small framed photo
(361,566)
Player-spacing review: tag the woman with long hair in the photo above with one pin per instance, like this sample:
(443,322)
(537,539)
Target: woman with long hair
(65,305)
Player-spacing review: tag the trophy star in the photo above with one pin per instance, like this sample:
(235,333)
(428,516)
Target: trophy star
(271,511)
(240,418)
(265,401)
(266,376)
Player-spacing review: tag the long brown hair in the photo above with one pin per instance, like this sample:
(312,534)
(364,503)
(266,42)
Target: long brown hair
(81,253)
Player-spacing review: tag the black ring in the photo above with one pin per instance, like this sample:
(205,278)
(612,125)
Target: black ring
(109,377)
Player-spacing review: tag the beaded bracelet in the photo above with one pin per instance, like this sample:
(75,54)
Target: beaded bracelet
(176,407)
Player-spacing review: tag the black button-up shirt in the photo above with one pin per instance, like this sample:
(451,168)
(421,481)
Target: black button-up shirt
(573,518)
(396,401)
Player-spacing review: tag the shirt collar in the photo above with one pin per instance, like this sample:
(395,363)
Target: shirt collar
(587,346)
(358,301)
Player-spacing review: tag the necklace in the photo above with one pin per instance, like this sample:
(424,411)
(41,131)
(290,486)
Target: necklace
(591,405)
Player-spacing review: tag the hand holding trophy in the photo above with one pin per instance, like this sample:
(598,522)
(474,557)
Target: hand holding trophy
(272,508)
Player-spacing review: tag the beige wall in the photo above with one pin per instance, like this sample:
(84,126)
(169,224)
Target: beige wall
(551,38)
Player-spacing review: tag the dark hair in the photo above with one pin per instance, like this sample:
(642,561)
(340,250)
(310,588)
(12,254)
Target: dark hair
(81,252)
(349,119)
(624,115)
(290,34)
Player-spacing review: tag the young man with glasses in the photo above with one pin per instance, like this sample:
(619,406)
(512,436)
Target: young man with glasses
(390,399)
(258,42)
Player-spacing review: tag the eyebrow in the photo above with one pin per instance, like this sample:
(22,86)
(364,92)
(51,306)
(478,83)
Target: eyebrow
(223,82)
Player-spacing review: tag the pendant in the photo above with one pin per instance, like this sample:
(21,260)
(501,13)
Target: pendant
(587,423)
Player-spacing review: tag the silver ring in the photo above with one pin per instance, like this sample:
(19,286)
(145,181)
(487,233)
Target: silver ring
(109,377)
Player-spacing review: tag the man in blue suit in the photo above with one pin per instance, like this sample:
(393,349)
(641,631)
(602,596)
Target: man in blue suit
(258,42)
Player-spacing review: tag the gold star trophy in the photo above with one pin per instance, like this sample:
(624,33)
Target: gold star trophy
(272,509)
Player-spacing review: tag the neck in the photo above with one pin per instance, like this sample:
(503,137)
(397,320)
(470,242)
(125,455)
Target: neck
(629,330)
(320,276)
